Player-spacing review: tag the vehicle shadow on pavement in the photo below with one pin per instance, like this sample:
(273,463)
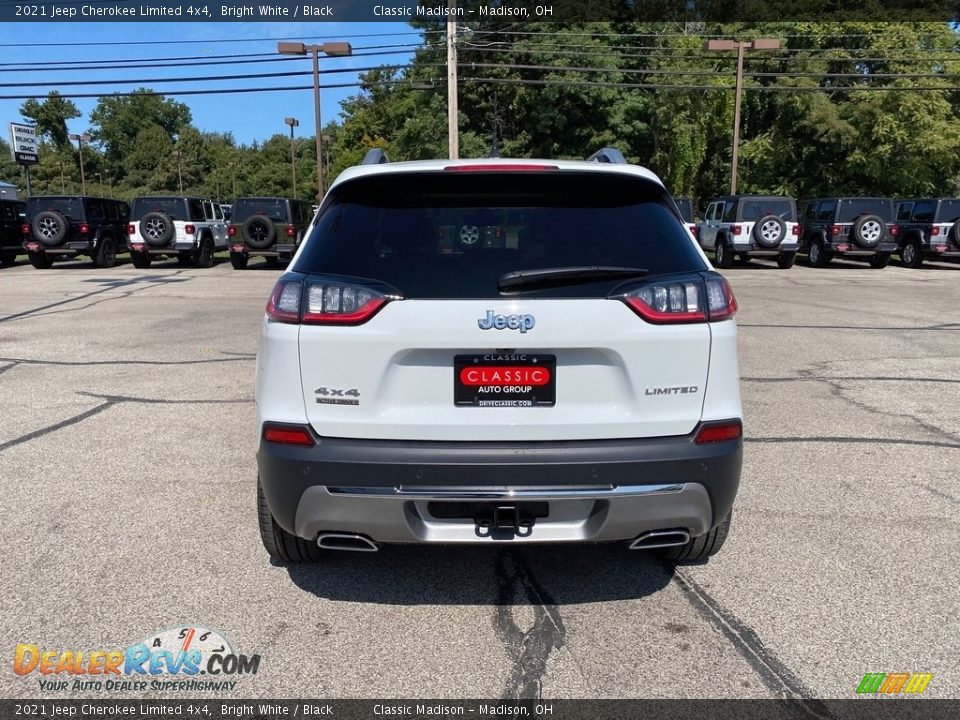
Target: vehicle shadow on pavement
(451,575)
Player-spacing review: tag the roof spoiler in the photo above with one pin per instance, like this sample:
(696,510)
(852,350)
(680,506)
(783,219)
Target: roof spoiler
(608,155)
(375,156)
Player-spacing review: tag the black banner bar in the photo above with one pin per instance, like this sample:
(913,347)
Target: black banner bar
(216,709)
(562,11)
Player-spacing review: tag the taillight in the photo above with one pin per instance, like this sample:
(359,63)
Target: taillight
(324,303)
(84,229)
(796,230)
(934,229)
(500,167)
(835,230)
(694,230)
(232,231)
(735,229)
(291,231)
(25,229)
(719,431)
(689,300)
(189,229)
(894,230)
(287,434)
(131,230)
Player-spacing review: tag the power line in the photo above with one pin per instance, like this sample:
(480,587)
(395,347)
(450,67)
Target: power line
(127,43)
(273,57)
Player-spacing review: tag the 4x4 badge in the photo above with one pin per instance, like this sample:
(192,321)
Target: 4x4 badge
(507,322)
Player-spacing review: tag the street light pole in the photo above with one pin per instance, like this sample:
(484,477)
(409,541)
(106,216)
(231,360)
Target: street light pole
(63,179)
(178,153)
(80,140)
(740,46)
(293,122)
(100,182)
(332,49)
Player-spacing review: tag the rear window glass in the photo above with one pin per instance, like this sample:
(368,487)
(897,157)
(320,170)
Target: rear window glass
(850,210)
(755,209)
(176,209)
(452,235)
(69,207)
(272,208)
(949,211)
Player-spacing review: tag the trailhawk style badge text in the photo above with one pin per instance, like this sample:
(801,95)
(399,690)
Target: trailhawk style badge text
(507,322)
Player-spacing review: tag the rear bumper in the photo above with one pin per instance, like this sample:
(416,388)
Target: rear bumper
(169,249)
(759,250)
(280,250)
(848,247)
(70,247)
(596,490)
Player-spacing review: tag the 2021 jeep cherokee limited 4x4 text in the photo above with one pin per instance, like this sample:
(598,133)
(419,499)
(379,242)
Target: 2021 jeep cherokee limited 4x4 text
(187,228)
(498,351)
(270,227)
(929,229)
(858,228)
(64,226)
(750,226)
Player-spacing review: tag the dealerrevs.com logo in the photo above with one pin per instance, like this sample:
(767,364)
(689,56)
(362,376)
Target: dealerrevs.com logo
(187,658)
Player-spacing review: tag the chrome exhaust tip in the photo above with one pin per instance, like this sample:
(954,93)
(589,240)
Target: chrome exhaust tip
(653,539)
(346,541)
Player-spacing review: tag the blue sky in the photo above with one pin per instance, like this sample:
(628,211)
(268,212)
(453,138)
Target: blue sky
(250,116)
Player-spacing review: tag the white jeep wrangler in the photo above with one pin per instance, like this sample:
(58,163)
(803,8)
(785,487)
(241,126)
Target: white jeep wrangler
(187,228)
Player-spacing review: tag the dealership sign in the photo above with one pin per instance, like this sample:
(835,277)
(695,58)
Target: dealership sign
(23,143)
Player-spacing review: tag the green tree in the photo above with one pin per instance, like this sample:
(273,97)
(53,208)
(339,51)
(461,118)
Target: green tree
(51,116)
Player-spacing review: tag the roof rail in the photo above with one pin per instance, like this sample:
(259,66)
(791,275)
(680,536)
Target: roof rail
(375,156)
(608,155)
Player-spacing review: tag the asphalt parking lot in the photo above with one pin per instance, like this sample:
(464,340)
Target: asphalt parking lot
(127,474)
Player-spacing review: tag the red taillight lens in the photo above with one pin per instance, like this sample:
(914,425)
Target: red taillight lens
(25,229)
(689,300)
(232,231)
(934,229)
(291,231)
(694,230)
(735,229)
(894,230)
(287,434)
(796,230)
(84,229)
(500,167)
(189,229)
(721,303)
(131,230)
(834,230)
(336,304)
(324,303)
(719,431)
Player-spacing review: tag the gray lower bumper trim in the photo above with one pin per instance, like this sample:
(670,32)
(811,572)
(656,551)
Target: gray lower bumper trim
(619,514)
(531,493)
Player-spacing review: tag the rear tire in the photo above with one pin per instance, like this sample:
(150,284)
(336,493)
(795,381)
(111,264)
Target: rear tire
(786,260)
(723,256)
(40,260)
(911,255)
(701,547)
(239,260)
(204,255)
(880,260)
(279,544)
(817,254)
(106,253)
(141,260)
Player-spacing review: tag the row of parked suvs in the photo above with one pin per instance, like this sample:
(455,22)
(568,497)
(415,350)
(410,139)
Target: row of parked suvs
(857,228)
(190,229)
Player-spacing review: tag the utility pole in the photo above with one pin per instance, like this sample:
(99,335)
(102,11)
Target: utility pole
(80,140)
(740,46)
(63,179)
(178,153)
(453,129)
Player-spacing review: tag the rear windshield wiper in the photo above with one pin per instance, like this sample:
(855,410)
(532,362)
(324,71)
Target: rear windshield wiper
(556,277)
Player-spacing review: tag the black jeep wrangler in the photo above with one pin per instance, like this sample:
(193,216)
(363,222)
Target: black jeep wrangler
(858,228)
(271,227)
(929,229)
(12,215)
(64,226)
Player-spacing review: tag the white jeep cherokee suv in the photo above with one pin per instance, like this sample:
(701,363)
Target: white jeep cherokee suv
(498,351)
